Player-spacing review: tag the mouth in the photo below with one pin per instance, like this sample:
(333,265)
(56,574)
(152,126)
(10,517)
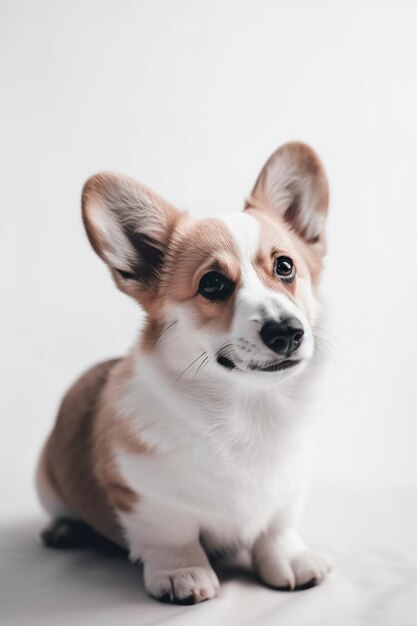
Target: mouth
(227,362)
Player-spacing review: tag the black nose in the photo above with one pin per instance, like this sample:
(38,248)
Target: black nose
(282,337)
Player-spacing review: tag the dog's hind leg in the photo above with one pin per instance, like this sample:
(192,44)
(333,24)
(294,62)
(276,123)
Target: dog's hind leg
(65,533)
(66,530)
(48,496)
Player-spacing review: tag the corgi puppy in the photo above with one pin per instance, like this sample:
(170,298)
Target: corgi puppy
(198,441)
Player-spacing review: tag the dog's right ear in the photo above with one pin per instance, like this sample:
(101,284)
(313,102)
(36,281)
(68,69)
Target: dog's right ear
(129,227)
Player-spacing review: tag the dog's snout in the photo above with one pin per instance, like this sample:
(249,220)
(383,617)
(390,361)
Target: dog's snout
(282,337)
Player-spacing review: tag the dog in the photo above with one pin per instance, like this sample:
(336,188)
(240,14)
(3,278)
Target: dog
(199,440)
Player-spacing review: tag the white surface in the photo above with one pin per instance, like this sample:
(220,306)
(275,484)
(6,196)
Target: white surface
(370,536)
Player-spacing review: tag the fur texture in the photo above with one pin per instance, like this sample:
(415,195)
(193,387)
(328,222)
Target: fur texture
(200,439)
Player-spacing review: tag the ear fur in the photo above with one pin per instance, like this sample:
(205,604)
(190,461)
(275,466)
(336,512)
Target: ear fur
(129,227)
(293,184)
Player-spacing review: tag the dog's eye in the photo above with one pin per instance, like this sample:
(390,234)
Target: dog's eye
(284,267)
(215,286)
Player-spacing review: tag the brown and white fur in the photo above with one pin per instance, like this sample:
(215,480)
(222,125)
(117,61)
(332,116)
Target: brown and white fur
(187,446)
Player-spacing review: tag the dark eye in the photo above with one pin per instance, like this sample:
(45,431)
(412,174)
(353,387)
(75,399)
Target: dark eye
(215,286)
(284,267)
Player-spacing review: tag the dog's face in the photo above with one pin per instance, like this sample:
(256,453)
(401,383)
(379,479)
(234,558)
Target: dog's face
(237,292)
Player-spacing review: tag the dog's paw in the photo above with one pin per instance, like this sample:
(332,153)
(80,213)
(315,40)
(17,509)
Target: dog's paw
(62,533)
(303,570)
(187,585)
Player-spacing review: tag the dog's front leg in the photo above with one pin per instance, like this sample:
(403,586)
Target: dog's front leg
(282,560)
(180,574)
(176,568)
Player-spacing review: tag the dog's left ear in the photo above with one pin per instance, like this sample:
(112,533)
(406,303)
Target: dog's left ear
(293,184)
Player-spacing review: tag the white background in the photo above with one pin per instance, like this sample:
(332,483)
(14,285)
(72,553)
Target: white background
(191,97)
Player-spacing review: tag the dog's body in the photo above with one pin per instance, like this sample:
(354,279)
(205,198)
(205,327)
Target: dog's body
(199,440)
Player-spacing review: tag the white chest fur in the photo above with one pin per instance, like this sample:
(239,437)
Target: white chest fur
(228,465)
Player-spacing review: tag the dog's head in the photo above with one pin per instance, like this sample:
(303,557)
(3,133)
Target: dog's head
(238,292)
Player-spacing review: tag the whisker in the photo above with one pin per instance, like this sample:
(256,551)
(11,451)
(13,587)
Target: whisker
(164,331)
(329,332)
(201,366)
(328,345)
(323,349)
(188,366)
(231,344)
(204,364)
(319,351)
(228,345)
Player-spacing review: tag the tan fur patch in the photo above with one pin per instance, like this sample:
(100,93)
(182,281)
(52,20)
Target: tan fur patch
(277,239)
(206,245)
(197,247)
(69,454)
(122,497)
(79,455)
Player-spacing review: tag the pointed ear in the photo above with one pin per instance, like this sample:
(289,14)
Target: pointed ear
(293,184)
(129,227)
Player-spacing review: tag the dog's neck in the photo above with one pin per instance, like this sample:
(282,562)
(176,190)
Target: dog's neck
(245,424)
